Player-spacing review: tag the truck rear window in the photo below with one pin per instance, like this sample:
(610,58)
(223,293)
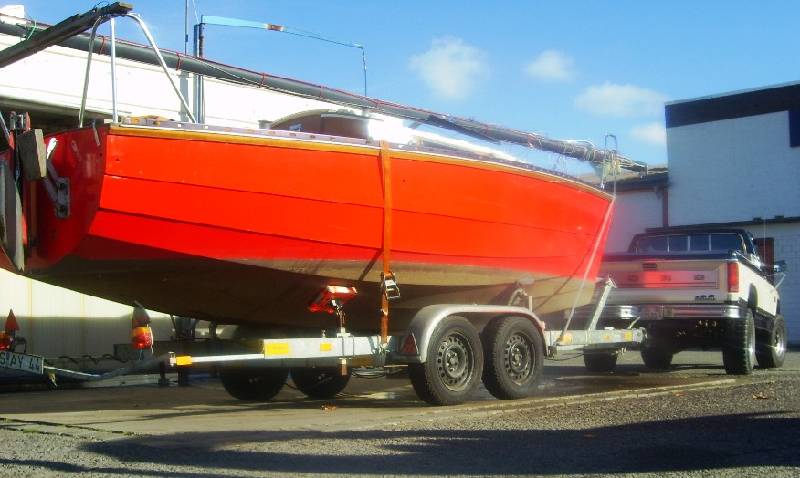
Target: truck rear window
(683,243)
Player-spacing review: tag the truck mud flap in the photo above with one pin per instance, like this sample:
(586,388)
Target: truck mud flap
(12,256)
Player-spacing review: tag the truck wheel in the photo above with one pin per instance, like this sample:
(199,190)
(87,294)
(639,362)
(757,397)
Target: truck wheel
(454,364)
(771,353)
(514,355)
(739,350)
(656,356)
(600,362)
(253,383)
(319,382)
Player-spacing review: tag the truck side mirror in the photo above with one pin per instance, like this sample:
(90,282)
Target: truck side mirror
(779,267)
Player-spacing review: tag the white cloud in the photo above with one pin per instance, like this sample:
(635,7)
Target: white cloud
(621,101)
(551,65)
(451,68)
(653,133)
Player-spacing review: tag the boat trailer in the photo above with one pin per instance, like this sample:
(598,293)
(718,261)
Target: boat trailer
(447,350)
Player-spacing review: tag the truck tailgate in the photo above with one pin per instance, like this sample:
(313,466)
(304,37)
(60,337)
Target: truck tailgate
(641,280)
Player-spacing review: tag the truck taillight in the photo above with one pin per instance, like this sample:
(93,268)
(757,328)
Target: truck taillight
(733,277)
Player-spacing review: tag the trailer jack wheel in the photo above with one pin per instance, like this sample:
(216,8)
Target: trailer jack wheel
(600,362)
(320,382)
(513,349)
(454,364)
(253,383)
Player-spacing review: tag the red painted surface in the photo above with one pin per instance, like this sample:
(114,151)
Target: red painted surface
(149,198)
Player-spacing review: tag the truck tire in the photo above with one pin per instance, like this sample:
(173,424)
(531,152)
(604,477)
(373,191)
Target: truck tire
(514,354)
(772,352)
(319,382)
(452,370)
(253,383)
(739,349)
(656,355)
(600,362)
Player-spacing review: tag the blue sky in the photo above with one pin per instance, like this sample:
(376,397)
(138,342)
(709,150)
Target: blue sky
(568,69)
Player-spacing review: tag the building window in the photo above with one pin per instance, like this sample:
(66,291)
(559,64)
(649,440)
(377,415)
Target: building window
(766,251)
(794,128)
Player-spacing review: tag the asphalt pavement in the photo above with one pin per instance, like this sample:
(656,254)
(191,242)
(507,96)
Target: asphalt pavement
(690,421)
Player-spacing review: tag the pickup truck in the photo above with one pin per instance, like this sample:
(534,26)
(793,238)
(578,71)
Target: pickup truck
(706,288)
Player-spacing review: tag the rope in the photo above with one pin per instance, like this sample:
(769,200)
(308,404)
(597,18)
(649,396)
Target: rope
(386,173)
(600,235)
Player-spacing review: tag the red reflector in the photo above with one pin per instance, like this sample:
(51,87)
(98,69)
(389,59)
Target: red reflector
(142,338)
(733,277)
(6,341)
(409,345)
(323,302)
(11,323)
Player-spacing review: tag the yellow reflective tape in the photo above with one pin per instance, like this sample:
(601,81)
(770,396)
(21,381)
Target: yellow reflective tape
(183,360)
(325,347)
(628,337)
(566,339)
(276,348)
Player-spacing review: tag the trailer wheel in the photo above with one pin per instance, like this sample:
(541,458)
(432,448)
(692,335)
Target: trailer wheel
(319,382)
(253,383)
(453,368)
(655,355)
(739,349)
(772,352)
(514,356)
(600,362)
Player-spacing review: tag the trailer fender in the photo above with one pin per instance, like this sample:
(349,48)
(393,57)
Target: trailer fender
(427,318)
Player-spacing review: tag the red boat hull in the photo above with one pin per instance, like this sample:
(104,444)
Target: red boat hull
(247,228)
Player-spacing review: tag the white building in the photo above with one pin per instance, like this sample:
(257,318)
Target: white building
(641,204)
(734,159)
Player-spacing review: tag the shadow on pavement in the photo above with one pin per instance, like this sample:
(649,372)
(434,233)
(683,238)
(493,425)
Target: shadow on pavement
(739,440)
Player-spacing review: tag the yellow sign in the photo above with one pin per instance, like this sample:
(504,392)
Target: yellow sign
(276,348)
(183,360)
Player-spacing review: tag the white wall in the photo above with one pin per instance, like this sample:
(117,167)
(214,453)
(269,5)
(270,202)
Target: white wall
(787,248)
(736,170)
(733,170)
(55,77)
(57,321)
(635,211)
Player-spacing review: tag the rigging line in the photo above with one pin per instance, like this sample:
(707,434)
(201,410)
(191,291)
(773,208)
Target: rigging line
(307,34)
(196,15)
(600,235)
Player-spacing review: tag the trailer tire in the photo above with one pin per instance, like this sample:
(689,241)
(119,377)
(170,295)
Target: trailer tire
(319,382)
(739,349)
(454,364)
(655,355)
(513,352)
(772,352)
(253,383)
(600,362)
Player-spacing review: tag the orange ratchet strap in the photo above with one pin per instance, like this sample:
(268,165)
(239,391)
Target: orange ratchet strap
(386,172)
